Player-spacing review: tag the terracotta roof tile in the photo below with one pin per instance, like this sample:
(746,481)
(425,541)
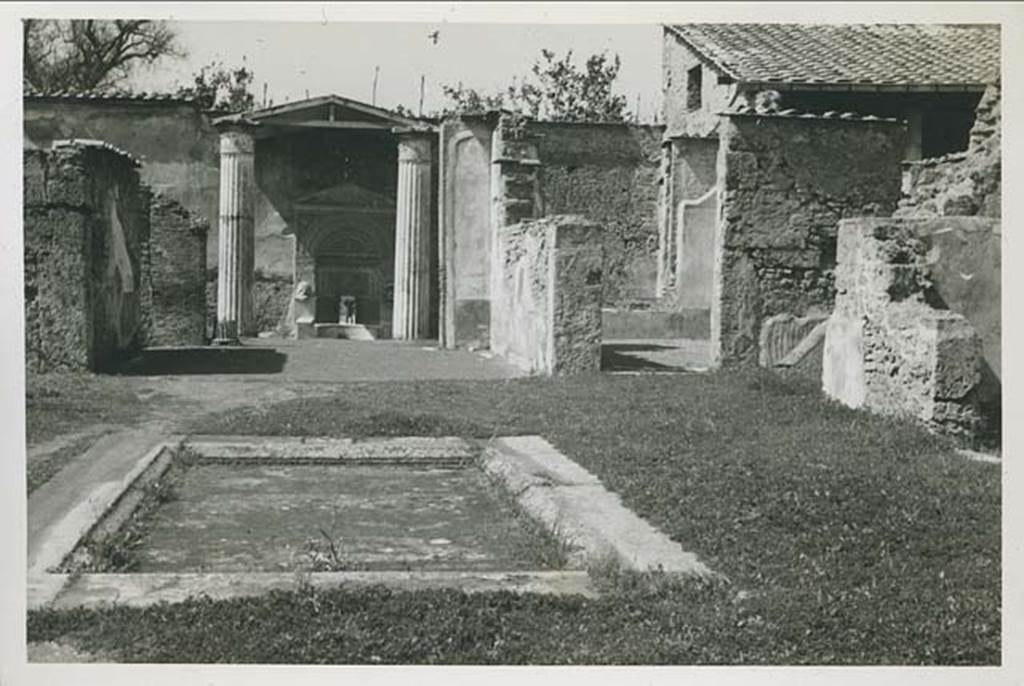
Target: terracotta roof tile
(97,145)
(742,110)
(869,54)
(103,94)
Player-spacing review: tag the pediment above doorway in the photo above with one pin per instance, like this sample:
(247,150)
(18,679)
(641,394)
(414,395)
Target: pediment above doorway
(347,196)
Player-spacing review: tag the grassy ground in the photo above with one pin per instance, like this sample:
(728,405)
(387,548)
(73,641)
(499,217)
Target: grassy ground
(60,404)
(848,539)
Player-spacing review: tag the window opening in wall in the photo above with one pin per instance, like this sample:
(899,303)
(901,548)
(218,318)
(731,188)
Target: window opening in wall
(694,77)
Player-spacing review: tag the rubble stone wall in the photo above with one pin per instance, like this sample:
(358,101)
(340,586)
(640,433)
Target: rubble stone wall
(886,348)
(785,183)
(611,173)
(176,308)
(960,184)
(546,308)
(86,219)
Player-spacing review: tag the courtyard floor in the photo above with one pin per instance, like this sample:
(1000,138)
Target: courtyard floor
(847,538)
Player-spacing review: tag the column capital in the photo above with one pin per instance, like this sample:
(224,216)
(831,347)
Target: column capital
(236,140)
(416,146)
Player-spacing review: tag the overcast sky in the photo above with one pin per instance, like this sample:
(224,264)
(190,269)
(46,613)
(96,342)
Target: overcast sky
(335,57)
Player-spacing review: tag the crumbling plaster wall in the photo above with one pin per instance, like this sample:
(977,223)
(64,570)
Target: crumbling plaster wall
(546,308)
(960,184)
(956,199)
(175,307)
(86,256)
(611,173)
(785,183)
(174,140)
(888,350)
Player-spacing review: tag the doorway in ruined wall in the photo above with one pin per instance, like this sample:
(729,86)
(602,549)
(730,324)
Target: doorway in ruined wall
(348,294)
(694,220)
(350,277)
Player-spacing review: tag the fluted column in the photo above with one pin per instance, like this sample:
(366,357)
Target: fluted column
(411,313)
(236,239)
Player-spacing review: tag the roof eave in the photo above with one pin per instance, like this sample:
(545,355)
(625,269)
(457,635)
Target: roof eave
(865,87)
(703,56)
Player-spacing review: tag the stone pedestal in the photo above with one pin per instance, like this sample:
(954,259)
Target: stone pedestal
(236,254)
(411,313)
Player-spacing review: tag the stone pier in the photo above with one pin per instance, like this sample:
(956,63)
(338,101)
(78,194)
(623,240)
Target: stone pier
(236,240)
(410,318)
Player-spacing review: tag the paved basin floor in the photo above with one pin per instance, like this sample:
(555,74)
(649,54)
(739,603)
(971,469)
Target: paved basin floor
(266,518)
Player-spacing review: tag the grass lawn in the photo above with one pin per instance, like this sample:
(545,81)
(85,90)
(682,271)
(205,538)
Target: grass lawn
(848,538)
(59,405)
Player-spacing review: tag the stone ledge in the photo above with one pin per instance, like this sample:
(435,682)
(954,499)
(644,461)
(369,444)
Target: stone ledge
(289,449)
(573,505)
(141,590)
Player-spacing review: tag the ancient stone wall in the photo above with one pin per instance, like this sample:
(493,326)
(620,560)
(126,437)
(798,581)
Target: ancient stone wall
(785,183)
(86,238)
(611,173)
(174,140)
(546,306)
(175,308)
(886,348)
(960,184)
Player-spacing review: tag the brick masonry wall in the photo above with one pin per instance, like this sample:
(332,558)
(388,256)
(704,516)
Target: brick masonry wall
(86,237)
(611,174)
(786,183)
(176,314)
(961,184)
(546,311)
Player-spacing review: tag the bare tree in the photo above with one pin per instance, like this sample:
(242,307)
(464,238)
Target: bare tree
(83,54)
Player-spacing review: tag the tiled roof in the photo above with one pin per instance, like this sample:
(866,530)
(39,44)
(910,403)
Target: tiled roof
(103,94)
(97,145)
(838,54)
(747,111)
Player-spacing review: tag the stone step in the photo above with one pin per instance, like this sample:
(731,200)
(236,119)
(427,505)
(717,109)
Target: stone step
(622,325)
(351,332)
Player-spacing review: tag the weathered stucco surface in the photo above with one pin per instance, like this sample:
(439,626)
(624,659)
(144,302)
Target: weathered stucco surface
(174,140)
(964,268)
(546,308)
(785,184)
(86,237)
(466,216)
(175,297)
(887,349)
(676,61)
(609,173)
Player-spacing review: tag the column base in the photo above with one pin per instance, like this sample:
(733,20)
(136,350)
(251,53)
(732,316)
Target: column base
(227,341)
